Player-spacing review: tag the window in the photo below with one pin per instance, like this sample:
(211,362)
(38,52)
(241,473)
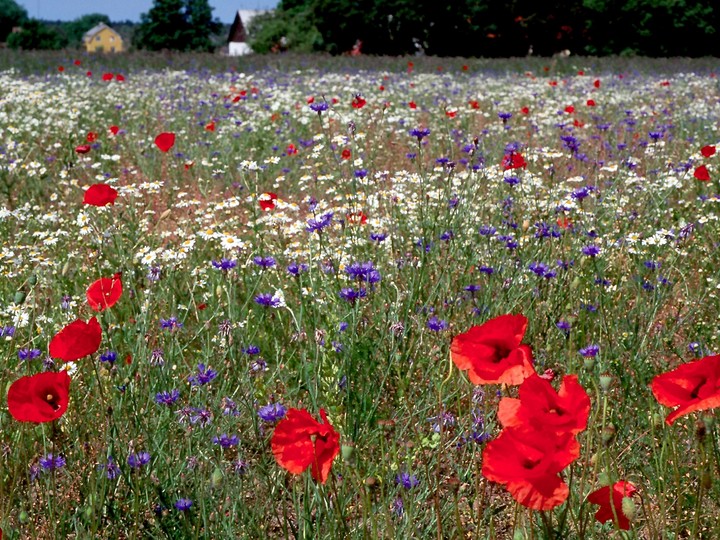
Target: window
(97,38)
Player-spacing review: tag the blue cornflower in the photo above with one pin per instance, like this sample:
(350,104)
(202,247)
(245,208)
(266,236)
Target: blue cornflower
(267,300)
(203,376)
(109,357)
(436,325)
(229,407)
(351,295)
(361,173)
(580,193)
(224,264)
(590,351)
(419,133)
(591,251)
(319,106)
(51,462)
(225,441)
(295,268)
(7,331)
(111,469)
(317,225)
(272,412)
(28,354)
(342,326)
(378,237)
(511,180)
(472,288)
(167,398)
(651,265)
(200,416)
(486,270)
(264,262)
(183,505)
(447,236)
(251,350)
(564,327)
(138,460)
(170,324)
(407,480)
(487,230)
(504,116)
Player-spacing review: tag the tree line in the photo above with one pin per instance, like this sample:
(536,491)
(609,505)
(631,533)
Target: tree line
(494,28)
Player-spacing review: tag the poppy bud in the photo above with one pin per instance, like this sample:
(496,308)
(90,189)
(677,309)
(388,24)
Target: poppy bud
(657,420)
(89,512)
(628,508)
(19,297)
(216,478)
(604,479)
(32,280)
(575,283)
(347,451)
(23,517)
(593,459)
(608,434)
(605,382)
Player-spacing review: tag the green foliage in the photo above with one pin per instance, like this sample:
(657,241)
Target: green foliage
(36,35)
(75,30)
(296,25)
(181,25)
(11,15)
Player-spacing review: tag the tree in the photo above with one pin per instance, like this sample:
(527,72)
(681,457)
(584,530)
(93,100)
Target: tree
(75,30)
(36,35)
(11,15)
(181,25)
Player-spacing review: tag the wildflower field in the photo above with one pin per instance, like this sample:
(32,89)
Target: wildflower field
(359,298)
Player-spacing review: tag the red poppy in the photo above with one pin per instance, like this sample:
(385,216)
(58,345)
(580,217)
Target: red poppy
(569,109)
(82,149)
(61,69)
(165,141)
(39,398)
(596,83)
(77,62)
(346,153)
(412,105)
(610,509)
(358,102)
(474,104)
(119,77)
(525,110)
(291,150)
(91,136)
(107,77)
(691,387)
(451,114)
(492,353)
(210,126)
(701,173)
(267,200)
(513,161)
(357,218)
(708,151)
(114,130)
(590,103)
(100,195)
(77,340)
(104,293)
(528,463)
(539,406)
(300,441)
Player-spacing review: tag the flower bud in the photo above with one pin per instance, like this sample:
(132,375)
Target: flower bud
(23,517)
(604,479)
(32,280)
(347,451)
(657,420)
(605,382)
(608,434)
(628,508)
(588,362)
(216,478)
(19,297)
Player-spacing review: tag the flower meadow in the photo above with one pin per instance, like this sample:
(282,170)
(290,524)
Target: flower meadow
(456,299)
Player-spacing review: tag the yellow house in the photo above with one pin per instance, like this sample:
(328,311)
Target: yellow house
(102,38)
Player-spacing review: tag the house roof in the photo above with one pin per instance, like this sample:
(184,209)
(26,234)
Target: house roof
(243,17)
(95,29)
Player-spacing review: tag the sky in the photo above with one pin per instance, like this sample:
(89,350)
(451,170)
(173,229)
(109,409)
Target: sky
(121,10)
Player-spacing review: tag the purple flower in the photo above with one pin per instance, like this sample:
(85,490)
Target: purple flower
(351,295)
(183,505)
(419,133)
(267,300)
(264,262)
(170,324)
(111,469)
(138,460)
(590,351)
(51,462)
(167,398)
(564,327)
(28,354)
(225,441)
(436,325)
(154,273)
(487,230)
(203,376)
(7,331)
(317,225)
(486,270)
(229,407)
(378,237)
(295,268)
(108,356)
(203,417)
(591,251)
(251,350)
(272,412)
(224,264)
(319,106)
(407,480)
